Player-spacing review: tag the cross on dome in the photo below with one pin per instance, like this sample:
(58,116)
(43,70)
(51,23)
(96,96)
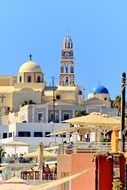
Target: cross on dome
(30,56)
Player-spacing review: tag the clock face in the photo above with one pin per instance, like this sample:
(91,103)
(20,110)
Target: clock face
(66,54)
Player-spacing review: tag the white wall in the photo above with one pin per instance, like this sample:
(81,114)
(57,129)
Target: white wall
(34,141)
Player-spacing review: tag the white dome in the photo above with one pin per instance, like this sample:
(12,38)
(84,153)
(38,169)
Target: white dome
(30,66)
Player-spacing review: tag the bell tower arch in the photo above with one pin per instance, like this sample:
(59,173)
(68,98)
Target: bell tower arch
(67,63)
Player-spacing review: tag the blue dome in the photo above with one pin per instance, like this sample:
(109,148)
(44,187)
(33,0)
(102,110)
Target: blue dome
(100,90)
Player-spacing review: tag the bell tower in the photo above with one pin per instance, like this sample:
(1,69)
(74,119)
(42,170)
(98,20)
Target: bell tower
(67,63)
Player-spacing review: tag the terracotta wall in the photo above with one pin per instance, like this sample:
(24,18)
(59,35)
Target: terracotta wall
(75,163)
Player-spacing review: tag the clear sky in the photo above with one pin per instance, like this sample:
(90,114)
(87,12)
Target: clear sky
(98,29)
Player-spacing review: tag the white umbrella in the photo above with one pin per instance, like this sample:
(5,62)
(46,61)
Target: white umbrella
(96,119)
(15,144)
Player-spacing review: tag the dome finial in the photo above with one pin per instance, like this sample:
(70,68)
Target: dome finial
(30,56)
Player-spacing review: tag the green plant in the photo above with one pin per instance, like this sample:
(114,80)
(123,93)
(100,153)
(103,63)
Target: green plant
(117,185)
(81,113)
(117,104)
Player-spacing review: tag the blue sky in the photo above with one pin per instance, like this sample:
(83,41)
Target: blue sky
(98,29)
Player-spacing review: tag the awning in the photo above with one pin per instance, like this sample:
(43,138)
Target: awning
(35,154)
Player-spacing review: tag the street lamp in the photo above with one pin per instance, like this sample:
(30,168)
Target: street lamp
(54,100)
(123,90)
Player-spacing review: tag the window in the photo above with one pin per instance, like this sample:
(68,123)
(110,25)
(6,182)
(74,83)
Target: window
(29,79)
(79,92)
(47,134)
(8,108)
(52,117)
(39,116)
(67,80)
(24,134)
(71,70)
(56,119)
(4,135)
(66,116)
(38,79)
(24,121)
(58,97)
(66,68)
(63,135)
(10,134)
(20,79)
(38,134)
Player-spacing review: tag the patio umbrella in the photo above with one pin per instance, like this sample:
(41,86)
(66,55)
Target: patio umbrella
(89,123)
(15,183)
(40,155)
(15,144)
(15,180)
(94,118)
(36,153)
(95,122)
(51,148)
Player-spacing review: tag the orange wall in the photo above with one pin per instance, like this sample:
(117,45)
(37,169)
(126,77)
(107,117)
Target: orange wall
(75,163)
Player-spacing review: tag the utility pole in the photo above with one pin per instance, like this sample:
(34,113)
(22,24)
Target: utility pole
(123,90)
(54,100)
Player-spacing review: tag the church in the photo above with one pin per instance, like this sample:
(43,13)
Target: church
(31,110)
(29,85)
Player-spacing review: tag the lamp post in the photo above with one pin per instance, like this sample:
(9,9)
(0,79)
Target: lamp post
(54,100)
(123,89)
(1,151)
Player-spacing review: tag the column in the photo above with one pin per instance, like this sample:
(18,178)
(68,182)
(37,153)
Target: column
(59,116)
(73,113)
(33,117)
(46,115)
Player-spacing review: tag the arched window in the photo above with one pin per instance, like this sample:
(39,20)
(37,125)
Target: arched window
(29,79)
(38,79)
(67,81)
(66,68)
(79,92)
(20,79)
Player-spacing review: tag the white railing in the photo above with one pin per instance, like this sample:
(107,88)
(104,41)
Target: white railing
(87,147)
(92,146)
